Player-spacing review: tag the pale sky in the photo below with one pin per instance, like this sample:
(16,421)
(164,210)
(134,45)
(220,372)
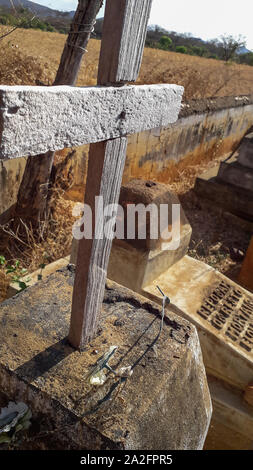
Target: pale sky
(203,19)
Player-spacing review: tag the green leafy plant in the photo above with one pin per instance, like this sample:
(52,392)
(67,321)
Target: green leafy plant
(181,49)
(23,18)
(42,266)
(165,42)
(16,271)
(2,260)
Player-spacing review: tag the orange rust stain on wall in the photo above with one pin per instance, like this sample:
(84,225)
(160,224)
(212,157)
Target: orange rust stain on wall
(173,171)
(170,154)
(164,154)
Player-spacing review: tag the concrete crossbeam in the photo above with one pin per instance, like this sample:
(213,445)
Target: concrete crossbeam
(34,120)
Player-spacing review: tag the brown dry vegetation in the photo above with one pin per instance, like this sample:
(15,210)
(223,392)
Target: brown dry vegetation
(201,78)
(55,242)
(30,55)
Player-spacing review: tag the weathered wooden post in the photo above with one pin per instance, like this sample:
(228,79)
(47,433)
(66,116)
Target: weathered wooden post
(78,38)
(123,40)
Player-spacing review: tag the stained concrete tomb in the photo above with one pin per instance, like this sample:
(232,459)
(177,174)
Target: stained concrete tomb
(164,405)
(144,259)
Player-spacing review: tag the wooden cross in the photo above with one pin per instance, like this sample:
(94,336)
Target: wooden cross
(34,120)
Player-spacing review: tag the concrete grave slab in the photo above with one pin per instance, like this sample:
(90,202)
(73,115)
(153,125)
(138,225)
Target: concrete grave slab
(221,310)
(142,267)
(230,183)
(236,174)
(232,419)
(246,151)
(165,404)
(147,193)
(235,199)
(80,115)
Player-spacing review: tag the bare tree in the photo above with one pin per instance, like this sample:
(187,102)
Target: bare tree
(229,46)
(34,192)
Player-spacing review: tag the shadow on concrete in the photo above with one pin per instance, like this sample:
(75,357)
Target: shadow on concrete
(45,360)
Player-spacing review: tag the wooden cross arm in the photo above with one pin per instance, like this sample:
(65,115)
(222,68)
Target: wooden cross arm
(34,120)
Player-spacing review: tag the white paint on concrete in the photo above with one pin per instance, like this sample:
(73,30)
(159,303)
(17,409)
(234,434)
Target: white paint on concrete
(34,120)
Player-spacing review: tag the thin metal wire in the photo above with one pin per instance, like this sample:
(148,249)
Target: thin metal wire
(83,31)
(90,27)
(166,300)
(77,47)
(84,24)
(114,386)
(90,30)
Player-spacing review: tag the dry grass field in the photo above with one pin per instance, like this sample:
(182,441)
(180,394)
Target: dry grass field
(30,55)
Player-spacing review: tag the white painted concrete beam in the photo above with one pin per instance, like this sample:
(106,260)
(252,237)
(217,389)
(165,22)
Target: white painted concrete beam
(34,120)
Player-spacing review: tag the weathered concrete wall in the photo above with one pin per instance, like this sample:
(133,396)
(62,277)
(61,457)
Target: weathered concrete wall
(153,154)
(157,153)
(204,129)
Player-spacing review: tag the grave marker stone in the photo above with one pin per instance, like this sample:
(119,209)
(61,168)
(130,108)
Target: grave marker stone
(145,259)
(220,309)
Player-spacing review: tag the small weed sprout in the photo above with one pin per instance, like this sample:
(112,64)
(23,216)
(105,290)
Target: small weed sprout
(17,272)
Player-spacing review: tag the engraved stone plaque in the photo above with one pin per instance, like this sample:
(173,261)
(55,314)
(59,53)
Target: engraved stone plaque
(221,310)
(230,310)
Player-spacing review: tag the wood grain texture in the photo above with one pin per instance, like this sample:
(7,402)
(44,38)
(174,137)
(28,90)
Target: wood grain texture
(122,47)
(105,170)
(124,34)
(32,199)
(78,38)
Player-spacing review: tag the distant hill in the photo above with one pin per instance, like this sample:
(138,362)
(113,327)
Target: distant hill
(243,50)
(40,10)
